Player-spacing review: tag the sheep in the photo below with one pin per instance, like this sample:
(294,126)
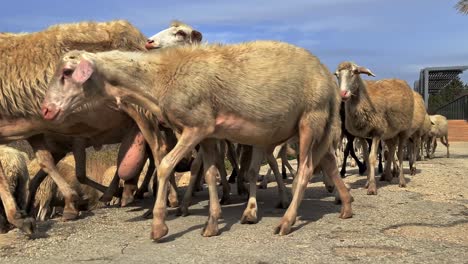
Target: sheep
(25,74)
(216,91)
(381,110)
(16,177)
(47,197)
(439,129)
(178,33)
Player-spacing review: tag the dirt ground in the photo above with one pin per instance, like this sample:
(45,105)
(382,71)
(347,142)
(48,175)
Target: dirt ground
(427,222)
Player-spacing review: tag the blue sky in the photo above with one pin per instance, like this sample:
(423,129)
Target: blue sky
(395,39)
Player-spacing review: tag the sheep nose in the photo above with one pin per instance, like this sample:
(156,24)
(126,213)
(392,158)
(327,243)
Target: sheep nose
(49,112)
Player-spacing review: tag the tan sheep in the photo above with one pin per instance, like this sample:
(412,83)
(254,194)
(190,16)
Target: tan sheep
(257,93)
(439,129)
(14,167)
(381,110)
(26,72)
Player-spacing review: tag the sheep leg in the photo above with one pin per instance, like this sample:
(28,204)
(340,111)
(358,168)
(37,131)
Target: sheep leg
(380,159)
(401,177)
(371,184)
(13,213)
(362,166)
(189,138)
(244,165)
(232,157)
(250,213)
(79,152)
(219,162)
(47,163)
(348,146)
(413,154)
(444,141)
(434,146)
(211,171)
(328,165)
(194,171)
(282,191)
(146,181)
(36,181)
(306,168)
(388,175)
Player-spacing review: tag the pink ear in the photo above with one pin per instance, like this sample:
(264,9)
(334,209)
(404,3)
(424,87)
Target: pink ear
(83,71)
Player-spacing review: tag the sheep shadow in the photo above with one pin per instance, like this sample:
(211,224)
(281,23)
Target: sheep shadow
(360,183)
(316,204)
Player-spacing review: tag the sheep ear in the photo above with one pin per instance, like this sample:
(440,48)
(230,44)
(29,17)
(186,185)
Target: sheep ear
(432,123)
(83,71)
(361,69)
(196,36)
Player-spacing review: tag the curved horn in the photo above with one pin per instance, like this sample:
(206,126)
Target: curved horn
(361,69)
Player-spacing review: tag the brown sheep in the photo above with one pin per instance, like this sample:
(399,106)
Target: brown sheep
(13,164)
(439,129)
(381,110)
(216,91)
(25,74)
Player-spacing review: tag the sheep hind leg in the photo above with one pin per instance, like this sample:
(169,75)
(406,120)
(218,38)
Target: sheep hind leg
(401,177)
(328,164)
(282,191)
(306,168)
(211,171)
(444,141)
(13,214)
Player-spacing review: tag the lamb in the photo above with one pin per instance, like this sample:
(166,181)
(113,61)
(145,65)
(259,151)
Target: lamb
(381,110)
(23,87)
(439,129)
(230,98)
(15,180)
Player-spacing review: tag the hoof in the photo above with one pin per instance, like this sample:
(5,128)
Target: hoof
(69,215)
(173,203)
(125,201)
(105,199)
(225,200)
(242,190)
(140,194)
(346,212)
(182,211)
(283,228)
(158,231)
(211,227)
(263,185)
(372,190)
(413,171)
(343,173)
(148,214)
(249,217)
(28,226)
(402,184)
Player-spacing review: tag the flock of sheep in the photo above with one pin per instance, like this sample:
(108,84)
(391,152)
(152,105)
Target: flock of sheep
(183,105)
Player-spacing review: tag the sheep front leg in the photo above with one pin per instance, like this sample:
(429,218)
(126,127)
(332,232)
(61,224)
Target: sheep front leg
(13,214)
(255,156)
(371,184)
(189,138)
(194,169)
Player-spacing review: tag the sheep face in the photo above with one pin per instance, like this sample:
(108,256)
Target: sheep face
(348,74)
(70,86)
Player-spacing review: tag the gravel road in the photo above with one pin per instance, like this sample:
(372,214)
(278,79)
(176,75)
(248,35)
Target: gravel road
(427,222)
